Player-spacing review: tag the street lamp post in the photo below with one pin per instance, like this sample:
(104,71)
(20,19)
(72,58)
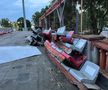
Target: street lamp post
(24,15)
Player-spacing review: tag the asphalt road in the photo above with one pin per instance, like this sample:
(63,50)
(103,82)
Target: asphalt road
(33,73)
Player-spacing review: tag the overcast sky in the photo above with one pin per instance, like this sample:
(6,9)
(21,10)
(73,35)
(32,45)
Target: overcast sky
(12,9)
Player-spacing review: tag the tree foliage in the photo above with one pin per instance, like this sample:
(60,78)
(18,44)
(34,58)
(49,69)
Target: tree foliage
(97,13)
(70,14)
(20,23)
(37,15)
(5,22)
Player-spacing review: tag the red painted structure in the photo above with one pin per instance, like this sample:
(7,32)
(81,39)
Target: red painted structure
(67,74)
(103,46)
(57,61)
(55,6)
(43,20)
(47,35)
(76,60)
(68,38)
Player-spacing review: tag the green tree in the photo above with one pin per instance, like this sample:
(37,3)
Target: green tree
(97,14)
(5,22)
(43,10)
(70,14)
(20,23)
(36,17)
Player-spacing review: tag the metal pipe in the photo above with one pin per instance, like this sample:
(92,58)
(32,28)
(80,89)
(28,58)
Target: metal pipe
(24,15)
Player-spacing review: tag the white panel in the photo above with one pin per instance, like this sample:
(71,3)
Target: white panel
(90,70)
(12,53)
(61,31)
(104,32)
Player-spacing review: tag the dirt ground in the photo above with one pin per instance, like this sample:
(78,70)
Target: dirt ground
(33,73)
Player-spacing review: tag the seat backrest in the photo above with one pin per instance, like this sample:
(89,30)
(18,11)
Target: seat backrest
(90,70)
(69,34)
(75,41)
(80,45)
(47,31)
(61,30)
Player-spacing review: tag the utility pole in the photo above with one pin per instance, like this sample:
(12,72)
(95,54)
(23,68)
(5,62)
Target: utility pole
(81,16)
(24,15)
